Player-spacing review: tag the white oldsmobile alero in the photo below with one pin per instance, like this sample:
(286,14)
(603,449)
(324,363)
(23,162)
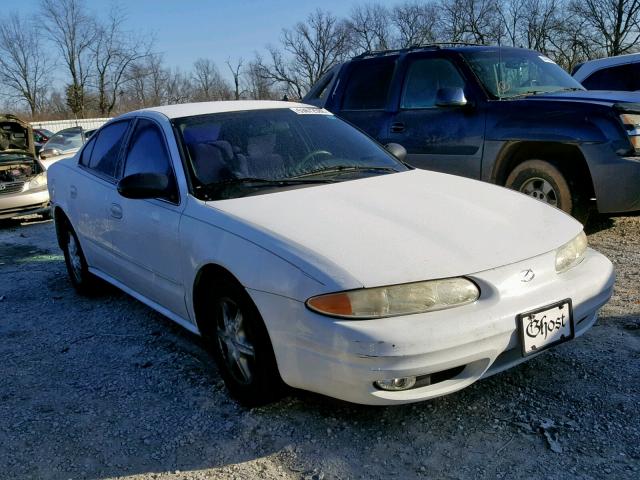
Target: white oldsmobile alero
(306,254)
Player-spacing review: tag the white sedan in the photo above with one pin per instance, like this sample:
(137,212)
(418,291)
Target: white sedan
(307,255)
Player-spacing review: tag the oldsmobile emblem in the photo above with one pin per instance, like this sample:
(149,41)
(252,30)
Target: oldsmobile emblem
(527,275)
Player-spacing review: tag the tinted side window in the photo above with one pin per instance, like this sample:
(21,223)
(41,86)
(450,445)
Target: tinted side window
(104,156)
(368,84)
(621,77)
(147,153)
(423,80)
(86,153)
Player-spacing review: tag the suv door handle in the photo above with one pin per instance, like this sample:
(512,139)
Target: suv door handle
(397,127)
(116,210)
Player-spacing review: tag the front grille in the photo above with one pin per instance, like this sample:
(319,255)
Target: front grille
(11,187)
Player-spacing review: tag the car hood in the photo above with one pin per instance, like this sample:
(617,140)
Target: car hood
(16,137)
(402,227)
(590,96)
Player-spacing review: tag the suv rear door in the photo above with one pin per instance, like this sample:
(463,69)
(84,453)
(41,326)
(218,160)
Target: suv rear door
(444,139)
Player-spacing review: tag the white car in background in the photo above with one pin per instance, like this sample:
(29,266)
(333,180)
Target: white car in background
(63,144)
(306,254)
(621,73)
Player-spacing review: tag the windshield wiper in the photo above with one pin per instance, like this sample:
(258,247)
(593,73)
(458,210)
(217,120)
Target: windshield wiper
(345,168)
(252,182)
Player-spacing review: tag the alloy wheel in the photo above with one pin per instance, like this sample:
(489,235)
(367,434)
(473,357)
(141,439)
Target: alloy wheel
(75,257)
(237,351)
(540,189)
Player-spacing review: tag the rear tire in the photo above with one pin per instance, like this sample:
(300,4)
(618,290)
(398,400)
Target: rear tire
(84,282)
(543,181)
(240,344)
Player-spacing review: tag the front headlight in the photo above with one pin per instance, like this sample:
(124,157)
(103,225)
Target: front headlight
(39,182)
(571,253)
(632,126)
(405,299)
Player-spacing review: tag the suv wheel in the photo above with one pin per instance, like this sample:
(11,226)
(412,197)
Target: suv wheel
(545,182)
(240,345)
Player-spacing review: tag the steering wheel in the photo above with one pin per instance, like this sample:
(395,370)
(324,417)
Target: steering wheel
(308,157)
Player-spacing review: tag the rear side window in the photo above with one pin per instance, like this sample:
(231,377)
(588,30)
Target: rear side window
(368,84)
(620,77)
(104,157)
(85,158)
(424,78)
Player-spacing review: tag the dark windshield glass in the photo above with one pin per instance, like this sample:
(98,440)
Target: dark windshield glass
(279,144)
(509,73)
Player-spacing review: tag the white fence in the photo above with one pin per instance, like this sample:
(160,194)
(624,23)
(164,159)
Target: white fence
(57,125)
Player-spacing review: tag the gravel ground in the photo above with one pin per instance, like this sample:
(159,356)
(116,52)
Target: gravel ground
(106,388)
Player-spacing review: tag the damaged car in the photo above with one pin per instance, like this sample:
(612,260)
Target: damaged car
(23,179)
(306,254)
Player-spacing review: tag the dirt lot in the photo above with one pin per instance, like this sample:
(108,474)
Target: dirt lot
(107,388)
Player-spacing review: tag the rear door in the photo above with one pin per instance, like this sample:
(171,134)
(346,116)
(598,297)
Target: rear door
(444,139)
(89,192)
(145,232)
(364,94)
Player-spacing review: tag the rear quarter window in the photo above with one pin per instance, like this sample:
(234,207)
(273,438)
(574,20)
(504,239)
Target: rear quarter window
(368,84)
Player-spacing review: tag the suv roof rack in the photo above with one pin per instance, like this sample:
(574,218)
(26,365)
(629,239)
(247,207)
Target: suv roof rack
(424,46)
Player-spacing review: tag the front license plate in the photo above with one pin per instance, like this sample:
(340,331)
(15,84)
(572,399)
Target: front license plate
(546,326)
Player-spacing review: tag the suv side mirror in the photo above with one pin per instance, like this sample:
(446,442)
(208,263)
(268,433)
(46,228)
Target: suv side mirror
(397,151)
(144,185)
(450,97)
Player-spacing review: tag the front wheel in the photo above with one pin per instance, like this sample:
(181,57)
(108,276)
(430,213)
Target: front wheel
(241,346)
(545,182)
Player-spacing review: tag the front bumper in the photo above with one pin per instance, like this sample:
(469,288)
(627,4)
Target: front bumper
(616,180)
(343,359)
(24,203)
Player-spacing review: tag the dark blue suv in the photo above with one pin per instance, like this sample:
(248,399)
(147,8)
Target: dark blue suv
(508,116)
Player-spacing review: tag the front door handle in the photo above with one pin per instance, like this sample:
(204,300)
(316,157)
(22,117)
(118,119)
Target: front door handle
(116,210)
(397,127)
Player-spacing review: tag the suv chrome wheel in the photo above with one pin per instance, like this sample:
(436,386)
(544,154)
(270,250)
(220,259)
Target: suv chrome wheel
(540,189)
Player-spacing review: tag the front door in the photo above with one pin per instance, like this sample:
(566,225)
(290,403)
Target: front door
(444,139)
(145,232)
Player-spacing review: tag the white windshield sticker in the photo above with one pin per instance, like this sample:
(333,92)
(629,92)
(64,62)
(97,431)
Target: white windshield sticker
(310,111)
(545,59)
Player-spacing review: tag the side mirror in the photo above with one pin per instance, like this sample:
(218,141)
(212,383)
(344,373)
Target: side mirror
(397,151)
(450,97)
(144,185)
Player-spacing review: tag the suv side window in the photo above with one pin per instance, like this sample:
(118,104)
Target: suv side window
(368,84)
(106,149)
(423,79)
(620,77)
(147,153)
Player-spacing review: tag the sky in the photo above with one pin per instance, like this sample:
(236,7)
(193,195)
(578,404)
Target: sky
(186,30)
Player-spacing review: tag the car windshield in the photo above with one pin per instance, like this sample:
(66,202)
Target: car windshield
(279,147)
(507,73)
(65,140)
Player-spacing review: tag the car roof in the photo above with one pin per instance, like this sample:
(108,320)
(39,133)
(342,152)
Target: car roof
(203,108)
(587,68)
(444,47)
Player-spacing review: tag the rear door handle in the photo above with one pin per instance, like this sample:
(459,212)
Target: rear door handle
(116,210)
(397,127)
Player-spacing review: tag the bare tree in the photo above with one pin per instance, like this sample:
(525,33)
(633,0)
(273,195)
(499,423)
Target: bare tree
(415,23)
(24,68)
(476,21)
(115,52)
(72,31)
(369,28)
(257,86)
(207,82)
(236,73)
(309,49)
(615,23)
